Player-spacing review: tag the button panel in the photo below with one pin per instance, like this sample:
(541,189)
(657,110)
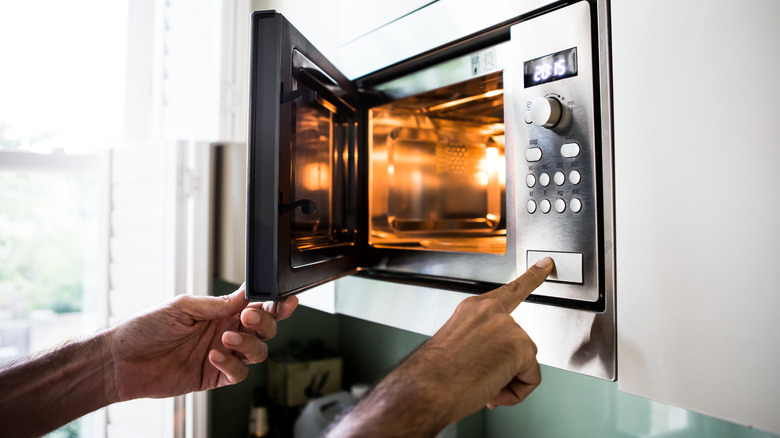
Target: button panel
(552,198)
(561,152)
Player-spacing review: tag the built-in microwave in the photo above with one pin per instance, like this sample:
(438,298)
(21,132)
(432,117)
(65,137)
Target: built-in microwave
(454,169)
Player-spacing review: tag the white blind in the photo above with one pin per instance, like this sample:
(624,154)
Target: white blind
(142,263)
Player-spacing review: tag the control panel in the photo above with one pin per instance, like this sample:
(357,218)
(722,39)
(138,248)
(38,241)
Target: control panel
(552,83)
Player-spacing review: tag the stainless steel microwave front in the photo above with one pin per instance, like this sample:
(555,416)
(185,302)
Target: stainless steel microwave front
(455,169)
(560,196)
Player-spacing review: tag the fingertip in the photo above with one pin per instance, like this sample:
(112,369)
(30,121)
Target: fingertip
(545,263)
(216,357)
(289,306)
(543,268)
(231,367)
(231,339)
(233,303)
(250,316)
(240,294)
(282,309)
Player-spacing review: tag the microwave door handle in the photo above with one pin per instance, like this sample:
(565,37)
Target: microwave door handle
(307,94)
(315,78)
(307,206)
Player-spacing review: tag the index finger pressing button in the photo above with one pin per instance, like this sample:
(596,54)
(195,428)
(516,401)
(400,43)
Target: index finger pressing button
(568,265)
(514,293)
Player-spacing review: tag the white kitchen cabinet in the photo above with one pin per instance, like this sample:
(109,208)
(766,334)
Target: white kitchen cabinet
(697,209)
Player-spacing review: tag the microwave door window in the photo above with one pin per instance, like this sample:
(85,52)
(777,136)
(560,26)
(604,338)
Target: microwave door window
(302,182)
(321,155)
(310,227)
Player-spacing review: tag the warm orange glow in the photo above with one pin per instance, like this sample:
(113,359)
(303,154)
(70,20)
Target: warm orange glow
(316,177)
(457,102)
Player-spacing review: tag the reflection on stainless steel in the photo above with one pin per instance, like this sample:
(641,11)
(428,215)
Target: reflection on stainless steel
(438,170)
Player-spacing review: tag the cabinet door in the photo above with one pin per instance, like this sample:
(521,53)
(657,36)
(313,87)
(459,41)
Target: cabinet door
(302,171)
(697,207)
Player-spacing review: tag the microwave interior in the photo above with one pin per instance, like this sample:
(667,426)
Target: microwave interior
(437,170)
(436,173)
(433,182)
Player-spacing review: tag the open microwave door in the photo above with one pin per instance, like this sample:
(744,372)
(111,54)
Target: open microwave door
(302,185)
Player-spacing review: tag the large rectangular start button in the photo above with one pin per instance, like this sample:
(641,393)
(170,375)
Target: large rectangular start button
(568,265)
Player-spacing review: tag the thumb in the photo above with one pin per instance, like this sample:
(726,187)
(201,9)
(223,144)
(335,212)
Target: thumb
(203,308)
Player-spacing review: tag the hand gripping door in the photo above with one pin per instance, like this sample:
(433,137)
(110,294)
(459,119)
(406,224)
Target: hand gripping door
(302,185)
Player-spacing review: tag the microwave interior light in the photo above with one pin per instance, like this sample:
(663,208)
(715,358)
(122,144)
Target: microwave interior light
(457,102)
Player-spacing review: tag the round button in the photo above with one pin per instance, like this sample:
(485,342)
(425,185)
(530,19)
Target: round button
(544,179)
(545,111)
(530,180)
(560,205)
(570,150)
(533,154)
(576,205)
(531,206)
(545,206)
(527,117)
(575,177)
(559,178)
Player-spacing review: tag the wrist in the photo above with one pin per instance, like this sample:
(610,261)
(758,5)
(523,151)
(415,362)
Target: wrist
(103,341)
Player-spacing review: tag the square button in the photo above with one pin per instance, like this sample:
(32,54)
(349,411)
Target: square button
(568,265)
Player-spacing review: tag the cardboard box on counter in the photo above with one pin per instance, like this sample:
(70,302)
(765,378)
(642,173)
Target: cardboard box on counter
(293,382)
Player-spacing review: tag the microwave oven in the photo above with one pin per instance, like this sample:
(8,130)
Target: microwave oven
(455,169)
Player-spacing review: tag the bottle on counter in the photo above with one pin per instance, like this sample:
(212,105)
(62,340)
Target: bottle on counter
(258,415)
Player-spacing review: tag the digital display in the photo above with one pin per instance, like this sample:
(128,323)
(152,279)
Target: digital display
(560,65)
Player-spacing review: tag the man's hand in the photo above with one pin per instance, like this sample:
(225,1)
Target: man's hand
(190,344)
(481,356)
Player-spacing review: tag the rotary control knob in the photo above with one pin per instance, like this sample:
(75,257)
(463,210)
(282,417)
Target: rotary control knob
(545,111)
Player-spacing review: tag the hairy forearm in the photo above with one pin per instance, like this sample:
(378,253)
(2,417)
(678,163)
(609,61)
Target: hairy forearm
(410,401)
(50,390)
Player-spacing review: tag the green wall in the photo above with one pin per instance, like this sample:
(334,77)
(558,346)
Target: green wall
(565,405)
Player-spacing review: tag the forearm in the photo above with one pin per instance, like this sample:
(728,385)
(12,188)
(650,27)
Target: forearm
(410,401)
(51,390)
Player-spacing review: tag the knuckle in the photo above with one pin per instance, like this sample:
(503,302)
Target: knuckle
(270,331)
(241,373)
(488,304)
(263,354)
(181,300)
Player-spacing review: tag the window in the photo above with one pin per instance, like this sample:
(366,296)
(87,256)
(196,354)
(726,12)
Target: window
(61,101)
